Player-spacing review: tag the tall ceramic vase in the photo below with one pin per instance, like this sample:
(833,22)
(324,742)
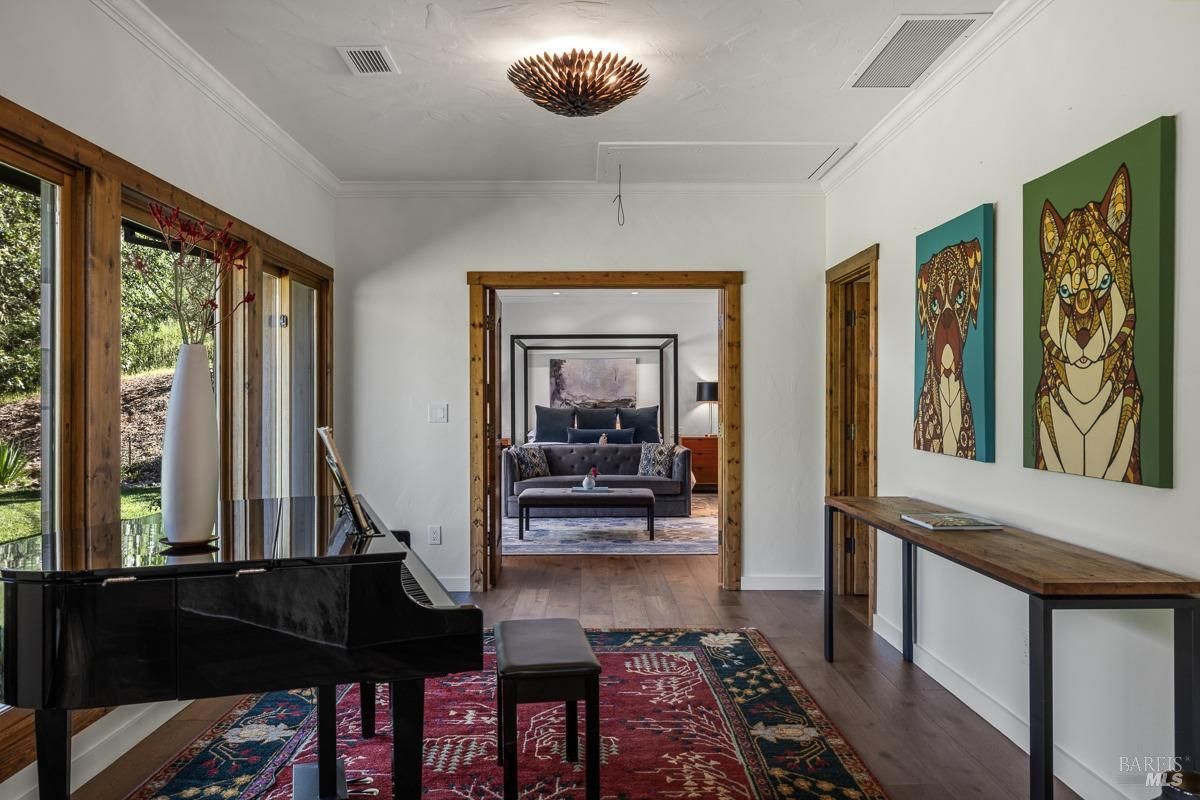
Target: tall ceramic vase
(189,459)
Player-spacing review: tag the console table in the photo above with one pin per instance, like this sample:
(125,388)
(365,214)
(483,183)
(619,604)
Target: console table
(1056,576)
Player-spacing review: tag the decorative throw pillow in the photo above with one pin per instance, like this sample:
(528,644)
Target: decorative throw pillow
(531,462)
(592,436)
(596,418)
(643,420)
(658,460)
(552,423)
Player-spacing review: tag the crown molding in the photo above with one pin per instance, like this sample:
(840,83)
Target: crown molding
(1005,22)
(154,34)
(401,189)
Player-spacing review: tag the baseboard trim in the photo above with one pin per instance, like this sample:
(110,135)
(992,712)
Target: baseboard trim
(782,582)
(98,746)
(1069,769)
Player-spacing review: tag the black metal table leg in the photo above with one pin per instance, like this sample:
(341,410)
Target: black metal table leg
(366,707)
(408,736)
(521,511)
(909,621)
(591,738)
(508,734)
(1041,699)
(53,734)
(1187,686)
(829,583)
(650,521)
(572,712)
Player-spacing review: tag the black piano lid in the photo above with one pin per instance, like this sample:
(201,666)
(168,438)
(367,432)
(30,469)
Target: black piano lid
(251,534)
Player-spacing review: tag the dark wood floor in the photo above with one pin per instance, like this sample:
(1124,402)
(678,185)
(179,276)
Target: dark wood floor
(918,739)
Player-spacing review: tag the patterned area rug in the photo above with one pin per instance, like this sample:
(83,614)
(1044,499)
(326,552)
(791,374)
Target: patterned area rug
(613,536)
(684,714)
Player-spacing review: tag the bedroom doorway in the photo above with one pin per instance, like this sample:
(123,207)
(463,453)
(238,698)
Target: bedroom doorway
(850,412)
(493,406)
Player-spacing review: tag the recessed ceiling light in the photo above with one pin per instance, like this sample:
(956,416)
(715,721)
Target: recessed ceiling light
(633,292)
(556,293)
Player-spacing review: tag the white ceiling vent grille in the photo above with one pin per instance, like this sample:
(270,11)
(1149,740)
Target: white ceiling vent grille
(369,60)
(910,48)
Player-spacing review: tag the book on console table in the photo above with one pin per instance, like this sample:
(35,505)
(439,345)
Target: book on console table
(951,522)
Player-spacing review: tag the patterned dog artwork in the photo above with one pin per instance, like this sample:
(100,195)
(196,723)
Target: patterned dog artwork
(953,407)
(1091,409)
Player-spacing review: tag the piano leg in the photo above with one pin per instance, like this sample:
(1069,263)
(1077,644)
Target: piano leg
(408,737)
(53,733)
(366,706)
(325,780)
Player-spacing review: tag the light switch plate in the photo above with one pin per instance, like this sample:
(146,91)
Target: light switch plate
(439,412)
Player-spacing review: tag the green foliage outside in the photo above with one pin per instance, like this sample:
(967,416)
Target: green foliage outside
(21,510)
(14,464)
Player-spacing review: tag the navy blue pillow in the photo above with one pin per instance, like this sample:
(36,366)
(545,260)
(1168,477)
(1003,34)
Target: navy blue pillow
(552,423)
(594,418)
(643,420)
(592,435)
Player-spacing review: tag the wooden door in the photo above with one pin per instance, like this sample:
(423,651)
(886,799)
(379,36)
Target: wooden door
(856,460)
(493,404)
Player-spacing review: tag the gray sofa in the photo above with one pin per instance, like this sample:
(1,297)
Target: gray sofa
(618,467)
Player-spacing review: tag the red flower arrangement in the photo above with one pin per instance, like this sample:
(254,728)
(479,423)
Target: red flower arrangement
(205,258)
(595,473)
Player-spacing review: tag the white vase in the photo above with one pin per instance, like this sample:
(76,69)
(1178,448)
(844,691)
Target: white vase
(589,482)
(189,459)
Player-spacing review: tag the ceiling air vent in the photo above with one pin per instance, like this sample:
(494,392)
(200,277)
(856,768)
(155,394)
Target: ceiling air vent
(369,60)
(910,48)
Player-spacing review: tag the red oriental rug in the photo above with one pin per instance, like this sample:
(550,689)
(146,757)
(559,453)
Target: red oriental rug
(684,714)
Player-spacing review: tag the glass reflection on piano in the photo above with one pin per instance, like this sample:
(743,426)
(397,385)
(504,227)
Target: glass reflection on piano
(290,527)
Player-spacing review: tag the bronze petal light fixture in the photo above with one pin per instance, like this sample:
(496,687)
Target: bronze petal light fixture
(579,83)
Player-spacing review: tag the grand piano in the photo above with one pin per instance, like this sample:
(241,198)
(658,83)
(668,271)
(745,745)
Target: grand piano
(291,593)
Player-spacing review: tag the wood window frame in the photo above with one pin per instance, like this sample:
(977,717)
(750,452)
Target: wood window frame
(729,287)
(864,264)
(98,188)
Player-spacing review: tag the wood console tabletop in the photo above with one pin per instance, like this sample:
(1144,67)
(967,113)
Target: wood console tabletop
(1027,561)
(1057,577)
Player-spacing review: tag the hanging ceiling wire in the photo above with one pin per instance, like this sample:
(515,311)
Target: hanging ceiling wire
(619,201)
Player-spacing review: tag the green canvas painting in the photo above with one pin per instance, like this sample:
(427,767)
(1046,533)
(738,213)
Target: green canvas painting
(1099,301)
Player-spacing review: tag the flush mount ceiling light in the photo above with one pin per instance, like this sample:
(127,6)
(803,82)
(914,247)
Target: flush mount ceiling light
(581,83)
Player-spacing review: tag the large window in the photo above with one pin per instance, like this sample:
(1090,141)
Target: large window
(29,269)
(290,384)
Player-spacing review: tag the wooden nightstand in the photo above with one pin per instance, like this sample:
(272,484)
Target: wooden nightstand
(704,460)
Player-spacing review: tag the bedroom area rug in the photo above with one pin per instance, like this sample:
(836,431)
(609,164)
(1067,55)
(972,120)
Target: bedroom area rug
(618,536)
(684,714)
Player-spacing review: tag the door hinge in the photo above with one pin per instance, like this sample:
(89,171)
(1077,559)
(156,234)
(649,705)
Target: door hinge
(283,320)
(851,318)
(489,323)
(851,543)
(850,431)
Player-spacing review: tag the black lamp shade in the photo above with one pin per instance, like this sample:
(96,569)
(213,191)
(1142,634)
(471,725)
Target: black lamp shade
(706,392)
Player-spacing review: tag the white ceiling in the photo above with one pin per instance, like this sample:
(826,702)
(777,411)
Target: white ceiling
(726,76)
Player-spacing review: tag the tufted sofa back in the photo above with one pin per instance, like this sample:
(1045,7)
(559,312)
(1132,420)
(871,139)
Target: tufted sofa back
(577,459)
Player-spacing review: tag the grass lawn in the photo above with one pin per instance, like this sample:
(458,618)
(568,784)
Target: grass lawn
(20,509)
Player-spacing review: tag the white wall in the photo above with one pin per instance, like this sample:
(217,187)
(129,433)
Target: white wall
(1079,74)
(692,314)
(402,341)
(72,63)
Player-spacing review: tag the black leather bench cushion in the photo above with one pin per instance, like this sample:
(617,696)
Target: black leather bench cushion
(543,647)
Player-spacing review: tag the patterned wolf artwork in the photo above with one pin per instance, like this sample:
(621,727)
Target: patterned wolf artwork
(1088,404)
(947,308)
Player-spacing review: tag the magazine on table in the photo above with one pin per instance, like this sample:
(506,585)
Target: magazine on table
(951,522)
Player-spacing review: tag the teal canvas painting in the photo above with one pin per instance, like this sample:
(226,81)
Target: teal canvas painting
(954,388)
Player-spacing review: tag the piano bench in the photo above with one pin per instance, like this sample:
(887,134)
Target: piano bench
(541,661)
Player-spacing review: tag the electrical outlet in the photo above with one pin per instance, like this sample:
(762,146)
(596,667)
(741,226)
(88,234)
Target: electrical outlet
(439,412)
(435,534)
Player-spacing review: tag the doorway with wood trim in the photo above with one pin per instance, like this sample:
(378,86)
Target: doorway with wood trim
(485,326)
(851,290)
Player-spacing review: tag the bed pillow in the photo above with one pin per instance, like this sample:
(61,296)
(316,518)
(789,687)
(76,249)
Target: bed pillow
(596,418)
(642,420)
(551,423)
(531,462)
(592,435)
(658,460)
